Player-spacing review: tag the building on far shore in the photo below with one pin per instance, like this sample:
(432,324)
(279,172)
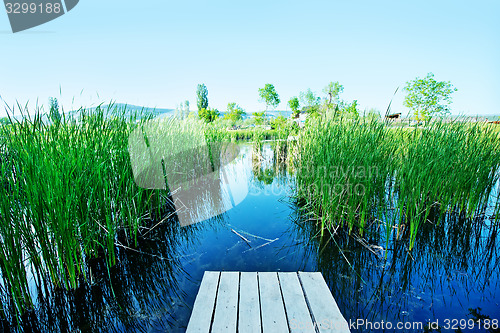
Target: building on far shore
(394,117)
(301,119)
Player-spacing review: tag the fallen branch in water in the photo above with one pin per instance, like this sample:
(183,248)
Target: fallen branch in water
(117,243)
(375,249)
(251,235)
(157,224)
(258,247)
(246,240)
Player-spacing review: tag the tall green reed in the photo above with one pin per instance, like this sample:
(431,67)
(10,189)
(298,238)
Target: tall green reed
(342,169)
(449,165)
(67,194)
(353,173)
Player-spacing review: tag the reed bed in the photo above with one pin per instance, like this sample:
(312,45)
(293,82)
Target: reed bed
(67,195)
(356,173)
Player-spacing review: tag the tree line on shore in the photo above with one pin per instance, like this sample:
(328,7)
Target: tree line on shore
(425,97)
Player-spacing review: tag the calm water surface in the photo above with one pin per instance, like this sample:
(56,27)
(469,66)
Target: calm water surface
(452,274)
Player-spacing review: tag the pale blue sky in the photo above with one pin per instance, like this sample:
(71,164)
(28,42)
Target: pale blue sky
(154,53)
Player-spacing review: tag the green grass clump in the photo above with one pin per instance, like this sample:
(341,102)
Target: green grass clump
(355,172)
(451,166)
(67,193)
(343,168)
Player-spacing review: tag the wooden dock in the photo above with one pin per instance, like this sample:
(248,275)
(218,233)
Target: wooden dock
(268,302)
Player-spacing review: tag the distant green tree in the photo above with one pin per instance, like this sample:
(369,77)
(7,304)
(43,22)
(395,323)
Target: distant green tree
(269,96)
(351,110)
(333,91)
(294,105)
(208,115)
(202,97)
(234,112)
(310,100)
(279,122)
(54,113)
(186,108)
(259,118)
(427,97)
(182,110)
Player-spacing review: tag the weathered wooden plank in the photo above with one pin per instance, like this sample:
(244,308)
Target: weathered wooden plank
(297,312)
(203,308)
(249,306)
(271,304)
(324,309)
(226,305)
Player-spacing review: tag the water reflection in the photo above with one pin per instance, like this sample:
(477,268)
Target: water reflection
(270,163)
(451,273)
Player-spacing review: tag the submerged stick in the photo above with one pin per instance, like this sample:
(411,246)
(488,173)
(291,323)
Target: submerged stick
(157,224)
(246,240)
(252,235)
(262,245)
(117,243)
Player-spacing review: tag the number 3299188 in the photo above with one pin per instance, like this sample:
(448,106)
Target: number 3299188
(33,8)
(463,324)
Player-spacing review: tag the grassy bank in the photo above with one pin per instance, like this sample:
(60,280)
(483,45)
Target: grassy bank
(255,134)
(354,174)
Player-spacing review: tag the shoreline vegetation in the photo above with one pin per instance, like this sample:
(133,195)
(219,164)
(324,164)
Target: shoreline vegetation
(440,167)
(67,191)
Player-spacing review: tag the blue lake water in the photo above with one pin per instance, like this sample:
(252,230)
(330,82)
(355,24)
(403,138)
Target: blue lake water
(451,274)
